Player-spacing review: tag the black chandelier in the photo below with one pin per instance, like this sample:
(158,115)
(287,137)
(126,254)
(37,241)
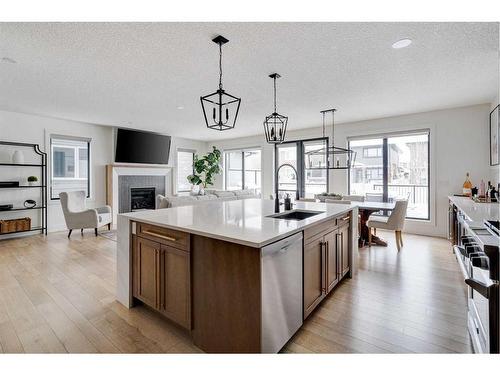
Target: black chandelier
(330,157)
(275,124)
(221,103)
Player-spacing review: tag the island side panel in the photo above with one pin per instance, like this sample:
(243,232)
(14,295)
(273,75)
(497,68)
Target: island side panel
(123,264)
(354,250)
(226,302)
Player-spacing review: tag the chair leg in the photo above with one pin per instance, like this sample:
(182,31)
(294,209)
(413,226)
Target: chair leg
(109,226)
(401,238)
(397,239)
(369,236)
(375,231)
(95,231)
(69,233)
(81,231)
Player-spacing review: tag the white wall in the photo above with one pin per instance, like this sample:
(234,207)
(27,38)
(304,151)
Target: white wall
(19,127)
(459,144)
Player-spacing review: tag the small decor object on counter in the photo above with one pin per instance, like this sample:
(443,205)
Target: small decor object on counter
(9,184)
(33,180)
(321,197)
(29,203)
(482,189)
(288,203)
(6,207)
(205,169)
(15,225)
(18,157)
(495,136)
(467,186)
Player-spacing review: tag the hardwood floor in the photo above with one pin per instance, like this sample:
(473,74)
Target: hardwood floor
(57,296)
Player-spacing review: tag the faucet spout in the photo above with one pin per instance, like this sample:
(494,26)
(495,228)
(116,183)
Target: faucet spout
(276,190)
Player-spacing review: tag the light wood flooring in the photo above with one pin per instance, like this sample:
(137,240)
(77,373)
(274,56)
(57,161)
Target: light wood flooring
(57,296)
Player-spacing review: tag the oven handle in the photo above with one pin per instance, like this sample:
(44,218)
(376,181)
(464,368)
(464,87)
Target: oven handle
(482,288)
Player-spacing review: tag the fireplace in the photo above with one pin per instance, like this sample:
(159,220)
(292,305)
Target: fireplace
(142,198)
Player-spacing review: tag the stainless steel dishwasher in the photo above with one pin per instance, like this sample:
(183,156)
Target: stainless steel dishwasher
(281,275)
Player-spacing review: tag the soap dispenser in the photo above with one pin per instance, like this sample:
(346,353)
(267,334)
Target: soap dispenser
(288,203)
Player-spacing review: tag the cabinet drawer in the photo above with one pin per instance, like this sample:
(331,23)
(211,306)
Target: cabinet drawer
(319,229)
(170,237)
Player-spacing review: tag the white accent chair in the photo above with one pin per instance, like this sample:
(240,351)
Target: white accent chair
(395,222)
(77,216)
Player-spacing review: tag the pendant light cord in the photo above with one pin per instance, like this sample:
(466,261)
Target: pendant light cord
(220,66)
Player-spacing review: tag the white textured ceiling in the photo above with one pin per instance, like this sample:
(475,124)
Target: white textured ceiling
(137,74)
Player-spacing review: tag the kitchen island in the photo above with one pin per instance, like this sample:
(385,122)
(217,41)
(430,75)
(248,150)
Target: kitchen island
(236,276)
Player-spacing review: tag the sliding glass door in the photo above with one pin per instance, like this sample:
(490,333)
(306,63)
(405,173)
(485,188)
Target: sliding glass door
(308,180)
(393,167)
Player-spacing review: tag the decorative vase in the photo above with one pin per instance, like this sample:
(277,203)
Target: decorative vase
(201,191)
(32,183)
(18,157)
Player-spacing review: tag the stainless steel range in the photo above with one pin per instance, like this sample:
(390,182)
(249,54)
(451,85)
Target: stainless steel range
(478,256)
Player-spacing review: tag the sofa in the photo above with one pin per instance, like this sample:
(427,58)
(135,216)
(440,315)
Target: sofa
(210,195)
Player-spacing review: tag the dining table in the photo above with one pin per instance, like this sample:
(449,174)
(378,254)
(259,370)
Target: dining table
(367,208)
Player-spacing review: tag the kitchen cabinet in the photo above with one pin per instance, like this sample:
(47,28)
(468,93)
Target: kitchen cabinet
(175,285)
(161,272)
(146,271)
(343,251)
(314,259)
(326,260)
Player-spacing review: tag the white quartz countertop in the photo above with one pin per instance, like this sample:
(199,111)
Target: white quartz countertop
(477,212)
(240,221)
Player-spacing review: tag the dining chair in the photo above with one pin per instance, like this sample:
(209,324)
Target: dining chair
(395,222)
(355,198)
(374,197)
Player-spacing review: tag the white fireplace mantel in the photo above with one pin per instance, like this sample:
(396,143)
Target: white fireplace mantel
(113,171)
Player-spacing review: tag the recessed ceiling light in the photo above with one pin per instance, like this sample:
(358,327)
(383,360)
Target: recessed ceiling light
(180,107)
(401,43)
(8,60)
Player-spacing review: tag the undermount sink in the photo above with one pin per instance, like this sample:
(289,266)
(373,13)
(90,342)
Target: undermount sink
(295,215)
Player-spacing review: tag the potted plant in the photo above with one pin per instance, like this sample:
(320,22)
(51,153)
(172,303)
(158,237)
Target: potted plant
(32,180)
(205,168)
(321,197)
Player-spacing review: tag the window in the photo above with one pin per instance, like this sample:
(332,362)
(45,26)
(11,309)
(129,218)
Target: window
(372,152)
(399,170)
(185,167)
(70,168)
(309,180)
(242,169)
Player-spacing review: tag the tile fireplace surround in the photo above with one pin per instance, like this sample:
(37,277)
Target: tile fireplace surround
(120,178)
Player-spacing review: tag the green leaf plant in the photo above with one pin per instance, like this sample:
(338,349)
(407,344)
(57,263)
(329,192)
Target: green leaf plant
(205,168)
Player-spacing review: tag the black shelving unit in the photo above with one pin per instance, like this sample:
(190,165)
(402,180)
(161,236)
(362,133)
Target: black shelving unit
(42,208)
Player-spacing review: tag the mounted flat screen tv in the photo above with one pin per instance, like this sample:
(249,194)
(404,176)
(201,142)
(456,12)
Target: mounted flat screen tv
(134,146)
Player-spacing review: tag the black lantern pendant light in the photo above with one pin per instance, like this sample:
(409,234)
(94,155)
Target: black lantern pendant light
(220,109)
(275,124)
(330,157)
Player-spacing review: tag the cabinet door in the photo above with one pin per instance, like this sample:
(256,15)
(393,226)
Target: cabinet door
(332,259)
(344,244)
(314,271)
(175,285)
(145,276)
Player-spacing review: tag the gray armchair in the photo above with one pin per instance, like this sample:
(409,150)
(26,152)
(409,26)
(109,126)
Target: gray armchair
(77,216)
